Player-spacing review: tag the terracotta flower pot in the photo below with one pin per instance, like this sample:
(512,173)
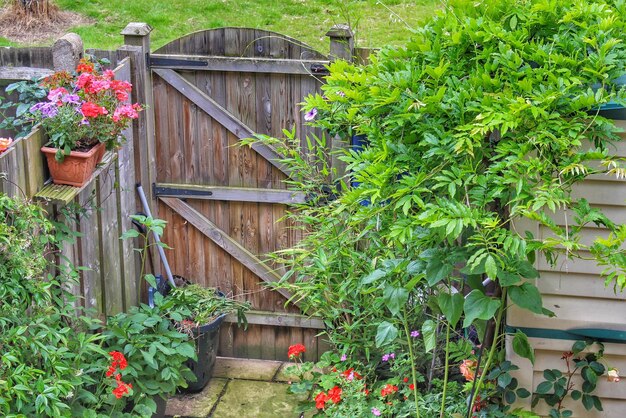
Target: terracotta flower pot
(76,168)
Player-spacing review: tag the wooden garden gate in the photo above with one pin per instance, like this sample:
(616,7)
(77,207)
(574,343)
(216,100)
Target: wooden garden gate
(224,202)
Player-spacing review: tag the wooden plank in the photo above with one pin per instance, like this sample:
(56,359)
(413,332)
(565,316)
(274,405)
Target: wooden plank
(221,115)
(280,319)
(23,73)
(63,194)
(222,239)
(240,64)
(34,160)
(238,194)
(110,260)
(89,249)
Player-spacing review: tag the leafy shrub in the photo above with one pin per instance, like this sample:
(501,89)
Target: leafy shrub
(482,123)
(50,358)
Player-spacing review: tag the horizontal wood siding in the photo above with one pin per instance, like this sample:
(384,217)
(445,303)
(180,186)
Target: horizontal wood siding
(576,293)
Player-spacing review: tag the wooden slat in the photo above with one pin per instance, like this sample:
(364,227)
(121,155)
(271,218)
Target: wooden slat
(89,248)
(280,319)
(220,114)
(23,73)
(109,235)
(239,64)
(63,194)
(238,194)
(222,239)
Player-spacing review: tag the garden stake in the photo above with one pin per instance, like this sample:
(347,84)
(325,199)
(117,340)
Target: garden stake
(492,351)
(146,208)
(412,356)
(445,371)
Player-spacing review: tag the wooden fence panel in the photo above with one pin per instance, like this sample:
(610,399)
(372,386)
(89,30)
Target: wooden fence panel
(201,116)
(110,282)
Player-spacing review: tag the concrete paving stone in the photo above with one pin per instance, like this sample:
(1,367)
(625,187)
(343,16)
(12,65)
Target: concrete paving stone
(196,405)
(281,376)
(249,369)
(253,399)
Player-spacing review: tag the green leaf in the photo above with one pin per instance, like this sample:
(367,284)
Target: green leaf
(504,379)
(522,393)
(522,346)
(526,296)
(395,298)
(149,358)
(506,278)
(589,375)
(373,276)
(437,270)
(587,401)
(151,280)
(452,306)
(525,269)
(576,394)
(385,334)
(578,347)
(479,306)
(490,267)
(131,233)
(186,350)
(429,335)
(544,387)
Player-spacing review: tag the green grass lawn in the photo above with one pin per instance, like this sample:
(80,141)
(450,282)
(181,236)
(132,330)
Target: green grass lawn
(377,23)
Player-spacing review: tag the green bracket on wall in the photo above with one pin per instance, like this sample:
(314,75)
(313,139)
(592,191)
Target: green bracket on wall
(597,334)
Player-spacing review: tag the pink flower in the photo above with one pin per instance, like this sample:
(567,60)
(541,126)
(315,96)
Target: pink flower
(125,111)
(343,357)
(55,95)
(376,412)
(310,115)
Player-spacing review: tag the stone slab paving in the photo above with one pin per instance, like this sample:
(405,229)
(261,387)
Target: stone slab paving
(196,405)
(254,399)
(240,388)
(249,369)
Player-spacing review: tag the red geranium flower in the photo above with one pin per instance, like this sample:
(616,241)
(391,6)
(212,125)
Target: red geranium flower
(296,350)
(320,400)
(334,394)
(92,110)
(388,389)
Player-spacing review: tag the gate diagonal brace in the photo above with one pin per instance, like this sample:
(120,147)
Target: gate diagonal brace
(221,115)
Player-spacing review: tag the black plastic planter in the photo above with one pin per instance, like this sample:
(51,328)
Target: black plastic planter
(207,338)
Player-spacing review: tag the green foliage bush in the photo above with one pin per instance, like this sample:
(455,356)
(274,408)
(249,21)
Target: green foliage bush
(50,359)
(484,121)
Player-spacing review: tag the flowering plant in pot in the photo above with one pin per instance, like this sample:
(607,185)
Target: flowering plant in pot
(199,312)
(85,112)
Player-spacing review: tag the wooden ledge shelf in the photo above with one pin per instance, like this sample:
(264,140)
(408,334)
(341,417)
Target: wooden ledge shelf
(59,194)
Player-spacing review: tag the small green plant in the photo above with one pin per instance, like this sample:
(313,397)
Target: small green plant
(156,352)
(13,114)
(558,385)
(202,304)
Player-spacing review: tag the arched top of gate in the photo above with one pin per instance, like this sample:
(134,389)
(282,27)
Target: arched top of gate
(241,42)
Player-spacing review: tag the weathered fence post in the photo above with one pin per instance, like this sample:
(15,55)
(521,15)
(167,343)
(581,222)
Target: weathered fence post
(341,48)
(341,43)
(66,52)
(137,47)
